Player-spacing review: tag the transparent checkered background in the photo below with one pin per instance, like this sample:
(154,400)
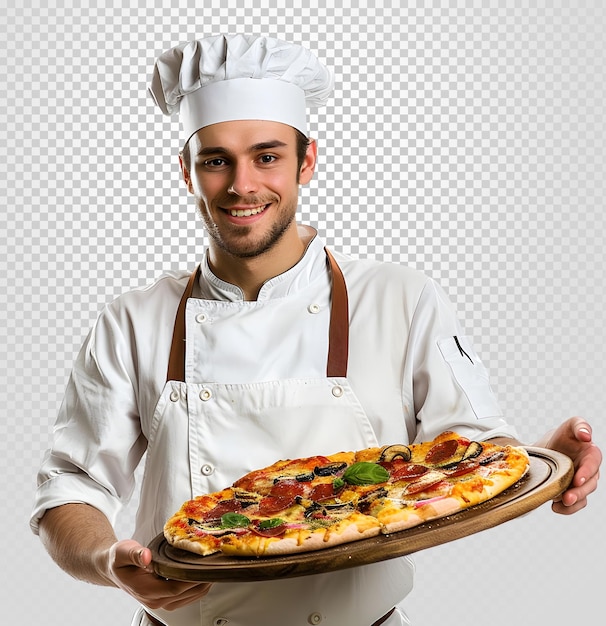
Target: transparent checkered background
(465,139)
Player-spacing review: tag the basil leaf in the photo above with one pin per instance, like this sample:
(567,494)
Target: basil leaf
(270,523)
(365,473)
(234,520)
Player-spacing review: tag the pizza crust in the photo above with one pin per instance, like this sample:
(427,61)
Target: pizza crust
(304,540)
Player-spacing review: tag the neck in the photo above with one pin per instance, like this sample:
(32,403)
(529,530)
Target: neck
(250,274)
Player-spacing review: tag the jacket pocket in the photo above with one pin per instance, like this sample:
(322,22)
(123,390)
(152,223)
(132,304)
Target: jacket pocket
(470,374)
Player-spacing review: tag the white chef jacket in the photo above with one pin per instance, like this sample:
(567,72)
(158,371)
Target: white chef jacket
(412,369)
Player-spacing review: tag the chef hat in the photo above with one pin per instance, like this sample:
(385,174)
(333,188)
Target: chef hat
(239,77)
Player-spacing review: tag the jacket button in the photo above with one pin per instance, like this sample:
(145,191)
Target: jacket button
(206,394)
(337,391)
(314,308)
(174,395)
(201,318)
(314,618)
(207,469)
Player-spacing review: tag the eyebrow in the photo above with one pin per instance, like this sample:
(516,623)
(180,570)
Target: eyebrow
(257,147)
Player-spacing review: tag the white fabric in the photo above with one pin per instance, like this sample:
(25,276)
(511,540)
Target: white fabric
(229,429)
(396,369)
(400,387)
(187,78)
(398,618)
(244,98)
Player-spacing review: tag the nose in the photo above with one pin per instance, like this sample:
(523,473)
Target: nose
(243,182)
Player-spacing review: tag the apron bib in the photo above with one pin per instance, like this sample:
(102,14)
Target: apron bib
(205,435)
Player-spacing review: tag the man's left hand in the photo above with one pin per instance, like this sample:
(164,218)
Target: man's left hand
(574,439)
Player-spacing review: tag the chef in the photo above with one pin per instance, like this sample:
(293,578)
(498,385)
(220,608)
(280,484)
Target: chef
(272,347)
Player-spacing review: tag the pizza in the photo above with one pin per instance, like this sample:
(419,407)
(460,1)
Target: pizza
(313,503)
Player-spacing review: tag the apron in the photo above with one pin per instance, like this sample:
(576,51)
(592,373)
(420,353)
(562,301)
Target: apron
(205,435)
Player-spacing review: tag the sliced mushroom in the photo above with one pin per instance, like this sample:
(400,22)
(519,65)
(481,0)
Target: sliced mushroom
(365,502)
(333,508)
(495,456)
(474,449)
(395,451)
(245,497)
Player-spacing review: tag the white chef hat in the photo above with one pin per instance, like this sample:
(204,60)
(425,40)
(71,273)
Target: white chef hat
(239,77)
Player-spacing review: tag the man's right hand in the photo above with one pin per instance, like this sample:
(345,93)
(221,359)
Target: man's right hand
(95,555)
(129,567)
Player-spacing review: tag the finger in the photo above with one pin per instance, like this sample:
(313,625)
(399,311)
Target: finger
(199,591)
(582,430)
(171,595)
(562,509)
(588,465)
(576,498)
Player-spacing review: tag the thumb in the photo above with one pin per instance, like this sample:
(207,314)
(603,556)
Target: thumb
(129,552)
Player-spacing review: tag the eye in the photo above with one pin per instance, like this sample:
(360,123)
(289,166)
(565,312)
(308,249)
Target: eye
(214,163)
(267,158)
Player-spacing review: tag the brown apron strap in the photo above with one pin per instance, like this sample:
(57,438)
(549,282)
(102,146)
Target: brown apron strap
(176,360)
(338,338)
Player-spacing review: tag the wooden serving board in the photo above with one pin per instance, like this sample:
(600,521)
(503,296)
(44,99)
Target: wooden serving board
(549,474)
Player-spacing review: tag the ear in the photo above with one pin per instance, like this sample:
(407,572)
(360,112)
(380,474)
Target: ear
(308,166)
(185,173)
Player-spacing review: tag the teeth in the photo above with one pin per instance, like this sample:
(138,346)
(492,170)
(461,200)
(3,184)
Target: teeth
(246,212)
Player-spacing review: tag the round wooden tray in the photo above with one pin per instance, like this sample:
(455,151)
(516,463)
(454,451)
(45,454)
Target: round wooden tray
(550,473)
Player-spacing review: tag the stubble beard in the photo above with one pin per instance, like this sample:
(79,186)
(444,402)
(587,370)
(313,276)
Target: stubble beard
(237,242)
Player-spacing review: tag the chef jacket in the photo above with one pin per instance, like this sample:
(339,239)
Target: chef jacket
(411,371)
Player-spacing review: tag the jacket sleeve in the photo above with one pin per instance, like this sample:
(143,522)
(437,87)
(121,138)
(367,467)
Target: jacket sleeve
(451,384)
(97,439)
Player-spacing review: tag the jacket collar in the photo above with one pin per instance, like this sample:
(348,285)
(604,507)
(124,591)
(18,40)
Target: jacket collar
(310,267)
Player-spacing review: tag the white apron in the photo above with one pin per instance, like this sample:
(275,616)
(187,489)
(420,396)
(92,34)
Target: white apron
(205,435)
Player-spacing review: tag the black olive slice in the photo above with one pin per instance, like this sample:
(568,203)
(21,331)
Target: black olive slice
(246,498)
(305,478)
(329,470)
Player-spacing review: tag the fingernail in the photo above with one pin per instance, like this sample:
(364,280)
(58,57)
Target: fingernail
(585,430)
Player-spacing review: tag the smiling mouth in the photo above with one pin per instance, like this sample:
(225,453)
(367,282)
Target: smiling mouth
(236,212)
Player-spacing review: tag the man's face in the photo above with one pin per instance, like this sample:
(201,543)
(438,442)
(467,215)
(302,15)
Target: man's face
(245,178)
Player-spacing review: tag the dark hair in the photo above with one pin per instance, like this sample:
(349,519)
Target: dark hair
(302,143)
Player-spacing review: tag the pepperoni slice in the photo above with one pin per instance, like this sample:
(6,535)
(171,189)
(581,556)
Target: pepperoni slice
(276,531)
(225,506)
(323,491)
(270,505)
(442,451)
(409,471)
(423,484)
(464,467)
(288,488)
